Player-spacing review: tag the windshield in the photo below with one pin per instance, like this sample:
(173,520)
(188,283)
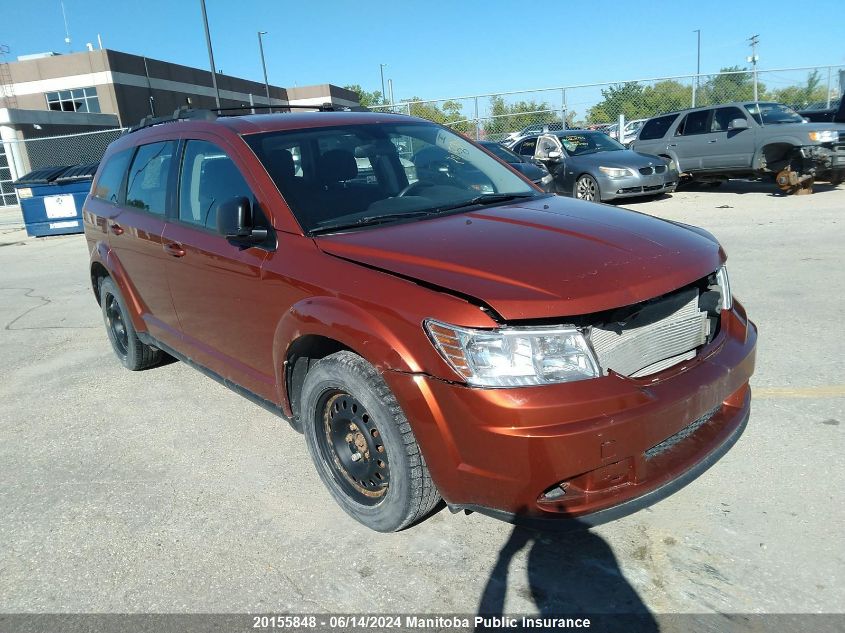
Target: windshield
(589,143)
(357,175)
(773,113)
(500,152)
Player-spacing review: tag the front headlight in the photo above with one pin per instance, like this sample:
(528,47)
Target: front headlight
(514,357)
(824,136)
(671,164)
(724,287)
(616,172)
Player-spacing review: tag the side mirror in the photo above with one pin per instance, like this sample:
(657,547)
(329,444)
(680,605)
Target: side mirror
(555,156)
(235,221)
(738,124)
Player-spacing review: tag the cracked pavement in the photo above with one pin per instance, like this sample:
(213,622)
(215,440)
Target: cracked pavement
(163,491)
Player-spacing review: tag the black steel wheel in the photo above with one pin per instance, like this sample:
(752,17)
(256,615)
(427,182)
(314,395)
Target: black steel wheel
(114,321)
(586,188)
(362,444)
(128,348)
(353,447)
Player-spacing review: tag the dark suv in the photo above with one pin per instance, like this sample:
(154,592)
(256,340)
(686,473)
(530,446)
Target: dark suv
(436,325)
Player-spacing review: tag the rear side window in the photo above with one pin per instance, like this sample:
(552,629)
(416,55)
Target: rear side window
(723,117)
(110,181)
(147,185)
(209,177)
(694,123)
(656,128)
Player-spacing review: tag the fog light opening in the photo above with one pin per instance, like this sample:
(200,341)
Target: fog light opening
(555,493)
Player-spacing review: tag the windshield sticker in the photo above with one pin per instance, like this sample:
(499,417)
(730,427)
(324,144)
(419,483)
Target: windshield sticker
(452,145)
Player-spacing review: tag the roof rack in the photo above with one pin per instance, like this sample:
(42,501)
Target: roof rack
(185,113)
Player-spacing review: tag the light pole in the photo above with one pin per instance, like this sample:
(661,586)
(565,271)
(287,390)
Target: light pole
(264,67)
(697,66)
(210,55)
(383,95)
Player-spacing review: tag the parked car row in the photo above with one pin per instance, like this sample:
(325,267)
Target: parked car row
(708,144)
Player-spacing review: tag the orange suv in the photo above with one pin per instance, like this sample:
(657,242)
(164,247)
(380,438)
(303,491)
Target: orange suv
(436,326)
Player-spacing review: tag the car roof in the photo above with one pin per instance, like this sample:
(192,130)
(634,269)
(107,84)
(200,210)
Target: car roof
(737,104)
(257,123)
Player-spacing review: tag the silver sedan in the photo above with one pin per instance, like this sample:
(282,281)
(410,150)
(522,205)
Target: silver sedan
(592,166)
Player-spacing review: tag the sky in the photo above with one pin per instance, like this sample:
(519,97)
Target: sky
(440,49)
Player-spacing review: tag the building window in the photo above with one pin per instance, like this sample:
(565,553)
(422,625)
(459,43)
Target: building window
(79,100)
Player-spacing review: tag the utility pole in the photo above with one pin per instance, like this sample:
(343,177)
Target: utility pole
(67,30)
(264,66)
(210,55)
(383,94)
(754,40)
(697,67)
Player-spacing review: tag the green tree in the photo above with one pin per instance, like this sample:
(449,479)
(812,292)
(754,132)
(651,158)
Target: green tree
(663,96)
(365,98)
(449,113)
(738,85)
(618,99)
(801,96)
(506,117)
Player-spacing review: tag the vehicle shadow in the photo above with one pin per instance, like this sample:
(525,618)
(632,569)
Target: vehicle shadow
(570,574)
(750,186)
(624,202)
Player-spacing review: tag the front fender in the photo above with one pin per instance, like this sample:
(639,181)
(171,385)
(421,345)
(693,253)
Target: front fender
(103,255)
(348,324)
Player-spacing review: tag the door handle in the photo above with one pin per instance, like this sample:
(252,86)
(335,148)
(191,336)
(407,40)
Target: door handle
(116,228)
(671,145)
(713,140)
(175,249)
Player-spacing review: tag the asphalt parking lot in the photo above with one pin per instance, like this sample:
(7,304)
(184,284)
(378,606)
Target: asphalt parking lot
(162,491)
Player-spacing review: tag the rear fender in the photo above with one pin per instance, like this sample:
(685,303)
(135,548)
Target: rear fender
(106,257)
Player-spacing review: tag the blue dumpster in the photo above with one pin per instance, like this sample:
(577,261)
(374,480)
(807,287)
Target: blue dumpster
(51,198)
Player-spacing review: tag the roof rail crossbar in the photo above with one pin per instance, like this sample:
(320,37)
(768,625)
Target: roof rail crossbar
(181,113)
(201,114)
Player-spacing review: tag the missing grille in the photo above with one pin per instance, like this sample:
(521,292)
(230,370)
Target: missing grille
(680,436)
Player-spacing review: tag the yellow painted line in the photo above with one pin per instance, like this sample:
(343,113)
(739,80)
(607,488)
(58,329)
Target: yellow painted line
(823,391)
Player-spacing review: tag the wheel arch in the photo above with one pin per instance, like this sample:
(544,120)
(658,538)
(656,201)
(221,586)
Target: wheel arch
(98,273)
(104,264)
(775,155)
(319,326)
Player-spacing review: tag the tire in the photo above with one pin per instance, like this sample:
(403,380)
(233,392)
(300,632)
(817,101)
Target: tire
(837,179)
(348,411)
(586,188)
(128,348)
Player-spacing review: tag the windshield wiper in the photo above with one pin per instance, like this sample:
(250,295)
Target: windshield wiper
(369,221)
(486,198)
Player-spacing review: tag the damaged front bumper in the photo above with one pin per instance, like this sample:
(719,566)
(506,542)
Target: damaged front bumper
(591,450)
(823,160)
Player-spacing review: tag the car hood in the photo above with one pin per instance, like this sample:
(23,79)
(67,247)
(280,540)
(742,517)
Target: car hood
(540,258)
(619,158)
(529,170)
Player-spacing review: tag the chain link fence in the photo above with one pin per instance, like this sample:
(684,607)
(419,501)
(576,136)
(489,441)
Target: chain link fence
(498,116)
(19,157)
